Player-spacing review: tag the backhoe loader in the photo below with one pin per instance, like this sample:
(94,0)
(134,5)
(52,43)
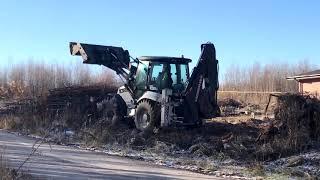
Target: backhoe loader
(158,91)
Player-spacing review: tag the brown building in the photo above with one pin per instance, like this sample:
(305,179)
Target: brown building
(308,82)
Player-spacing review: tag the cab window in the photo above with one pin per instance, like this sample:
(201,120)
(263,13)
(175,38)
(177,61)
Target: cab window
(156,75)
(141,75)
(179,76)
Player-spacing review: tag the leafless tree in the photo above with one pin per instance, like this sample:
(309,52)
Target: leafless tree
(265,78)
(35,78)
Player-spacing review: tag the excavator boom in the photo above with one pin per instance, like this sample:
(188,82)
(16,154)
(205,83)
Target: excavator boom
(203,84)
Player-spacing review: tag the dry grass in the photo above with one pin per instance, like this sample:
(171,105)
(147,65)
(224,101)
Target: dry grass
(8,122)
(27,123)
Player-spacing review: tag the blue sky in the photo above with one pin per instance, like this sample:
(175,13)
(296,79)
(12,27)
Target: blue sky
(242,31)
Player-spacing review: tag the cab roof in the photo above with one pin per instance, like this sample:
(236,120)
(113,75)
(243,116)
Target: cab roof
(165,59)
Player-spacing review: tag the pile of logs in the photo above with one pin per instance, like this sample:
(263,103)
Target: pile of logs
(18,106)
(76,96)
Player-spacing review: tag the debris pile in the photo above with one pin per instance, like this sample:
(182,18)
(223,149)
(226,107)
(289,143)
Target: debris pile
(296,126)
(76,104)
(299,115)
(229,106)
(232,107)
(230,102)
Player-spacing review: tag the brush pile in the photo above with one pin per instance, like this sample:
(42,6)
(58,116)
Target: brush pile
(296,126)
(299,114)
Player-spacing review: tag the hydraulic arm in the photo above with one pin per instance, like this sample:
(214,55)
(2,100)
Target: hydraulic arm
(115,58)
(201,91)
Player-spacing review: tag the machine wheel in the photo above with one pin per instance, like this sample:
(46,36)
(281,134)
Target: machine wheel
(114,110)
(147,116)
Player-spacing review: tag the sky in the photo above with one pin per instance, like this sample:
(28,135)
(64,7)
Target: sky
(243,32)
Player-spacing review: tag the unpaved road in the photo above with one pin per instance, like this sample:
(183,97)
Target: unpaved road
(62,162)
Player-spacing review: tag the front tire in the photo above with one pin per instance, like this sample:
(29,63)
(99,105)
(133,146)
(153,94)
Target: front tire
(114,110)
(147,116)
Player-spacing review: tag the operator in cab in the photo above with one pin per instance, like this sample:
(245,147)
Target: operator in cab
(166,80)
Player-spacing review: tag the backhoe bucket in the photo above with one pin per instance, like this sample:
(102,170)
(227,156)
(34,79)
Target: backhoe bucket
(115,58)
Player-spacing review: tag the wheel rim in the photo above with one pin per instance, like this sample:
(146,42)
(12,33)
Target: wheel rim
(144,119)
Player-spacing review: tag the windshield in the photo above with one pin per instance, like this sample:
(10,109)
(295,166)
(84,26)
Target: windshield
(173,76)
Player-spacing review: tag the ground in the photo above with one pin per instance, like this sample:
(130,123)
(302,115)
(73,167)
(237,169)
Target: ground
(65,162)
(242,144)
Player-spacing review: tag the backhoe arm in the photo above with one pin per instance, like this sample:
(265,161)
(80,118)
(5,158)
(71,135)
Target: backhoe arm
(201,91)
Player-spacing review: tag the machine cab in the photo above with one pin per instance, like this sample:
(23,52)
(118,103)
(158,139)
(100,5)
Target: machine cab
(157,73)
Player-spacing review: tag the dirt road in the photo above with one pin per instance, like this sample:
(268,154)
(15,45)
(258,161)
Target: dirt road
(62,162)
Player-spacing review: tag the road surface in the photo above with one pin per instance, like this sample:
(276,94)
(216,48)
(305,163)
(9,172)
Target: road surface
(64,162)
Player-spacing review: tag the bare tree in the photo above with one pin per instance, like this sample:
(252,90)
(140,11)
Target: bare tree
(265,78)
(34,79)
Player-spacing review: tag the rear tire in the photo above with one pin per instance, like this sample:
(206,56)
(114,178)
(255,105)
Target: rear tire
(147,116)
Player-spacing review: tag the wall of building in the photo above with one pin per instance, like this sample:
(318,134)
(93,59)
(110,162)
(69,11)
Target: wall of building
(310,86)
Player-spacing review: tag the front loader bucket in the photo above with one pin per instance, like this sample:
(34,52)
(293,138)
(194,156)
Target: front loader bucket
(112,57)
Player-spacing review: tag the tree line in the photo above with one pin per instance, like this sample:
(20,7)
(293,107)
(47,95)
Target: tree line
(270,77)
(34,79)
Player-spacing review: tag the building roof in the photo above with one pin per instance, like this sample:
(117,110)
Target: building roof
(315,72)
(308,75)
